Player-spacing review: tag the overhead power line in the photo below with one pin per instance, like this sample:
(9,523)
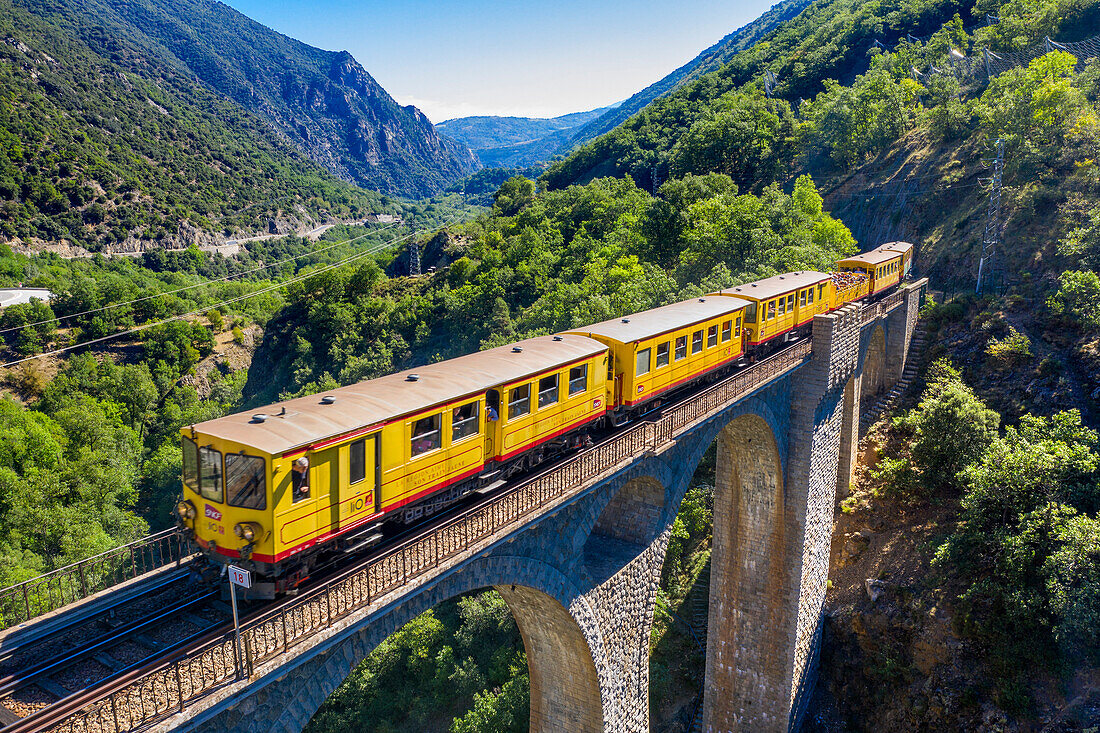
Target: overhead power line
(203,309)
(119,304)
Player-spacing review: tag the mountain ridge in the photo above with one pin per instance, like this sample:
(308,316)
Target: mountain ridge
(324,103)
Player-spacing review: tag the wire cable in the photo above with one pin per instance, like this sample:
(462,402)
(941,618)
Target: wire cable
(203,309)
(195,285)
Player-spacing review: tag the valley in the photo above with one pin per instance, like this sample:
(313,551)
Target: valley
(226,217)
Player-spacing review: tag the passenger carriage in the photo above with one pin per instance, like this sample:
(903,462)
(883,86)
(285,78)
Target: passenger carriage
(659,350)
(402,446)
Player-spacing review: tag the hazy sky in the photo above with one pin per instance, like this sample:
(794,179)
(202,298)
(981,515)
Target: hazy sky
(534,59)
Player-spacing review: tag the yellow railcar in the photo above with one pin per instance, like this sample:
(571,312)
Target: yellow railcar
(783,303)
(883,266)
(663,348)
(269,486)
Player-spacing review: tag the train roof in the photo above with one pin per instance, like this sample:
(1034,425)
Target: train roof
(897,246)
(654,322)
(874,257)
(770,287)
(308,420)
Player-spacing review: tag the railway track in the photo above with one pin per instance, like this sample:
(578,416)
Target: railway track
(74,656)
(57,688)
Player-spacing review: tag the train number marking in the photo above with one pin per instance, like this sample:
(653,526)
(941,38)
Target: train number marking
(215,528)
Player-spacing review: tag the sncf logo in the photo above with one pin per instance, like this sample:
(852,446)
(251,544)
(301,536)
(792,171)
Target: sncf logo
(596,403)
(212,513)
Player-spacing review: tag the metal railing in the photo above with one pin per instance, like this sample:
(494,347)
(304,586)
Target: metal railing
(880,308)
(57,588)
(167,689)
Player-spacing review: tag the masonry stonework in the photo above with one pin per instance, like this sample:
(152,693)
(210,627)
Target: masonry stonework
(581,578)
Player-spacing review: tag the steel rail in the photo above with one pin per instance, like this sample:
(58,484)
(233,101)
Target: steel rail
(50,591)
(14,682)
(165,685)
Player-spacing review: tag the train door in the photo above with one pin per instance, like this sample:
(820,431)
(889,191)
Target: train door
(360,497)
(325,483)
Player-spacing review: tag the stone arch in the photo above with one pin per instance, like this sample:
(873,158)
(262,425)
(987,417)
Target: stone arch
(561,635)
(750,642)
(627,525)
(565,688)
(874,364)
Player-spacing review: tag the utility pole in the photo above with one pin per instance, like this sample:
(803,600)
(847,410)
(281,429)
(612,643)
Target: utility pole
(991,242)
(414,257)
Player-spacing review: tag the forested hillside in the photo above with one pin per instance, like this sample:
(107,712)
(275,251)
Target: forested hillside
(990,617)
(514,142)
(709,60)
(95,154)
(323,102)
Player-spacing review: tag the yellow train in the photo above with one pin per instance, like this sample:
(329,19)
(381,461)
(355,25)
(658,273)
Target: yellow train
(274,489)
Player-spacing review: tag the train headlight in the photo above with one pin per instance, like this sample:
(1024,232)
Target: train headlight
(247,531)
(186,510)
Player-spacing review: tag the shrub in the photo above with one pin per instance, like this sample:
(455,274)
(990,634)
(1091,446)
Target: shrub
(1010,350)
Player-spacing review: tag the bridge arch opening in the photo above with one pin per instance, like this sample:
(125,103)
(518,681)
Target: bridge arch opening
(874,364)
(627,525)
(461,647)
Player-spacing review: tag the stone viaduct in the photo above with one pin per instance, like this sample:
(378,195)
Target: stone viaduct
(581,575)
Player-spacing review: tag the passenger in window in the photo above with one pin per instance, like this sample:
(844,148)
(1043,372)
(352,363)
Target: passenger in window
(299,478)
(491,413)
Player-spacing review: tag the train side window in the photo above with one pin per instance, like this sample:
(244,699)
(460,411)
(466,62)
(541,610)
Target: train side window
(357,461)
(727,330)
(662,355)
(519,401)
(782,306)
(801,298)
(641,363)
(191,465)
(464,421)
(578,379)
(299,480)
(246,481)
(426,435)
(210,474)
(737,329)
(750,312)
(712,336)
(810,296)
(771,309)
(681,348)
(697,341)
(548,391)
(790,303)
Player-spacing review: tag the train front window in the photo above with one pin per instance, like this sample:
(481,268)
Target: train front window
(357,461)
(642,363)
(246,481)
(426,435)
(519,401)
(662,355)
(697,341)
(578,379)
(681,347)
(190,465)
(548,391)
(464,421)
(210,474)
